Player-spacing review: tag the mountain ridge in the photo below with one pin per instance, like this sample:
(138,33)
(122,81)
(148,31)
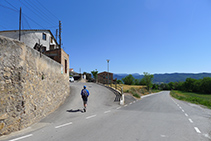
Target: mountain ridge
(167,77)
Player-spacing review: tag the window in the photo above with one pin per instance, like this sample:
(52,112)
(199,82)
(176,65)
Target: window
(51,40)
(44,36)
(65,66)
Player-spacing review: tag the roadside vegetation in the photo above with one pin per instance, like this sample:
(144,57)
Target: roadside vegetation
(196,98)
(197,91)
(137,91)
(138,87)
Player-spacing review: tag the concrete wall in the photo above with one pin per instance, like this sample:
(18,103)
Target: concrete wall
(31,86)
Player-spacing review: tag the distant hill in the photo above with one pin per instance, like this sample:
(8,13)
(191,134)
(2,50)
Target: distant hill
(167,77)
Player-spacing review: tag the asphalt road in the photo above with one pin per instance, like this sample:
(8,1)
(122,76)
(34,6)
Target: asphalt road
(157,117)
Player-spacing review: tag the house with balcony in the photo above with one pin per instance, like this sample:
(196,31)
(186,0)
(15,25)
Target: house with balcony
(42,41)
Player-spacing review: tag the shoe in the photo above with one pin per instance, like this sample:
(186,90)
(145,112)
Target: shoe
(84,109)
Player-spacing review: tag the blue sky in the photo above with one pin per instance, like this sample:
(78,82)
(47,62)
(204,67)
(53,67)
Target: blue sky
(154,36)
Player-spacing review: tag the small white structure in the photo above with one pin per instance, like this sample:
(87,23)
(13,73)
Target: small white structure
(33,37)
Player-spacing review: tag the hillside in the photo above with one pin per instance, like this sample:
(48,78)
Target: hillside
(167,77)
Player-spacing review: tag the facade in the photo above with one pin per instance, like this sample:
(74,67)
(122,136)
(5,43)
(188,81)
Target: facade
(61,57)
(43,41)
(105,77)
(33,37)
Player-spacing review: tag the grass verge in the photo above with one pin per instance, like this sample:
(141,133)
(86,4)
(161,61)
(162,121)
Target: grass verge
(202,99)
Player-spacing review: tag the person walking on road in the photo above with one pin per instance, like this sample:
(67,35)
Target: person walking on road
(85,95)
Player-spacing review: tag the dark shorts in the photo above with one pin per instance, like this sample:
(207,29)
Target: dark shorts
(85,99)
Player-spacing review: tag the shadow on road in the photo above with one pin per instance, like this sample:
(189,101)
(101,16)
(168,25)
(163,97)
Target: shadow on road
(74,111)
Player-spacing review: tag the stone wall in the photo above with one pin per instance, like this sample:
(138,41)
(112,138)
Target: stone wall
(31,86)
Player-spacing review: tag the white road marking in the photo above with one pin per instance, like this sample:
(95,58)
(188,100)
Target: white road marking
(107,111)
(183,110)
(63,125)
(118,108)
(190,120)
(131,103)
(91,116)
(207,136)
(125,105)
(22,137)
(186,115)
(163,136)
(134,101)
(197,130)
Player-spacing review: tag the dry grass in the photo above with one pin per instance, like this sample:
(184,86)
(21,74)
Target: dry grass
(128,87)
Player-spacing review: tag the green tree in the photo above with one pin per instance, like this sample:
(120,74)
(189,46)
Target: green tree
(148,80)
(142,82)
(155,86)
(119,82)
(206,85)
(189,84)
(94,73)
(171,85)
(128,80)
(136,82)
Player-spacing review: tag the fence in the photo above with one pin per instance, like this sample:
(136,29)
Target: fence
(117,87)
(118,91)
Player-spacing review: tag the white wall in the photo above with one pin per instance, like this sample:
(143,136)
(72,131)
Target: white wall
(30,38)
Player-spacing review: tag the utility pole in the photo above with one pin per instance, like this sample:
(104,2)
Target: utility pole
(108,69)
(56,34)
(20,25)
(60,40)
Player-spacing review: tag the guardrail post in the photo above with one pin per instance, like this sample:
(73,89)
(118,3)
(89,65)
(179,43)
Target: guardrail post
(122,99)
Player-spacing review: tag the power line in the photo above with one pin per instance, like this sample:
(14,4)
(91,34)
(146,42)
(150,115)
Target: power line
(47,10)
(10,4)
(35,13)
(42,12)
(9,8)
(33,21)
(45,17)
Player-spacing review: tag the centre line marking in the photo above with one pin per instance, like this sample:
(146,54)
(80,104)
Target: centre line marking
(186,115)
(107,111)
(190,120)
(183,110)
(125,105)
(118,108)
(197,130)
(21,137)
(91,116)
(63,125)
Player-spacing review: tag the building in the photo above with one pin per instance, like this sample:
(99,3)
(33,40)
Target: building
(33,37)
(105,77)
(43,41)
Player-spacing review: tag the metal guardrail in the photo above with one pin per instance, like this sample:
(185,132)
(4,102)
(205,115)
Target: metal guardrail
(118,90)
(117,87)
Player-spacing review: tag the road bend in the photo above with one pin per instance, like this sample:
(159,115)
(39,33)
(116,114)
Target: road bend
(157,117)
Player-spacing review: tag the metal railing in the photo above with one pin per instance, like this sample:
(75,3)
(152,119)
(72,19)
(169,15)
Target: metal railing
(117,87)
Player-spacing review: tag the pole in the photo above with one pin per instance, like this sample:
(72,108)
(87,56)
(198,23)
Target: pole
(60,40)
(108,69)
(56,34)
(20,25)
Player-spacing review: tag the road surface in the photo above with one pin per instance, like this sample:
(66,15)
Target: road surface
(157,117)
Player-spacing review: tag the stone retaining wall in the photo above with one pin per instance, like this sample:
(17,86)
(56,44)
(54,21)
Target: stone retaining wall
(31,86)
